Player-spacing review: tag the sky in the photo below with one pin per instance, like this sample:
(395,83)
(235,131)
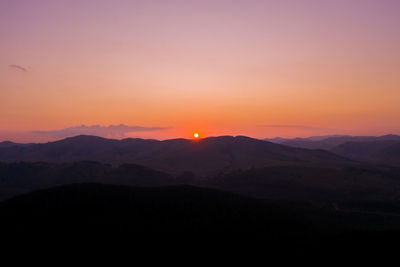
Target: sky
(217,67)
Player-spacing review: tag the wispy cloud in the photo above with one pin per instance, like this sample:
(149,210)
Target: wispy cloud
(112,131)
(301,127)
(18,67)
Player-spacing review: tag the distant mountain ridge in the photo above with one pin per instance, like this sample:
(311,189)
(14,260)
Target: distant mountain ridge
(330,141)
(376,149)
(204,157)
(281,140)
(382,151)
(9,144)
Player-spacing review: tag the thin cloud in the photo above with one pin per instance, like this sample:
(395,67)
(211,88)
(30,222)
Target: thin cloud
(18,67)
(300,127)
(112,131)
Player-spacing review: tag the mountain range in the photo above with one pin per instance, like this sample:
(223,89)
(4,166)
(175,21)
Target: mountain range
(315,182)
(207,156)
(374,149)
(331,194)
(362,170)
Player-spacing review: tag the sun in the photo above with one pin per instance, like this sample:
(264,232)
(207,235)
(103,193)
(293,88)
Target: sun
(196,135)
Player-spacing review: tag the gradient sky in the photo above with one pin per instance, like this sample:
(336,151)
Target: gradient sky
(256,68)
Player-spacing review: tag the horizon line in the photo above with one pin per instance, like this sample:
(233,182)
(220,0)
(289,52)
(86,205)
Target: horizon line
(190,139)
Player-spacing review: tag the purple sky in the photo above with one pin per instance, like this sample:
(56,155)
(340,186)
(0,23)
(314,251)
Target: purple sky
(217,67)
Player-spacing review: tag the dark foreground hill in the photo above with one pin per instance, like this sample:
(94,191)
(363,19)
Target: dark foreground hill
(135,209)
(207,156)
(193,218)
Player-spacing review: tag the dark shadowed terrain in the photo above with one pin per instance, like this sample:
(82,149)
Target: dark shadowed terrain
(222,191)
(321,183)
(190,218)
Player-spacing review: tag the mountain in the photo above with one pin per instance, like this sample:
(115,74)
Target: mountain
(21,177)
(372,149)
(312,182)
(276,140)
(318,183)
(8,144)
(206,156)
(329,142)
(280,140)
(383,151)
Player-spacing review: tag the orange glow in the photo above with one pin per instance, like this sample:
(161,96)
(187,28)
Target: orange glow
(256,68)
(196,135)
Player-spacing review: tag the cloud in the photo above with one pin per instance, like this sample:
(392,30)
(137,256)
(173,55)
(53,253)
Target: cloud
(18,67)
(112,131)
(299,127)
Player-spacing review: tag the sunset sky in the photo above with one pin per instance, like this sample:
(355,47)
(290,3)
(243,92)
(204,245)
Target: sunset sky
(217,67)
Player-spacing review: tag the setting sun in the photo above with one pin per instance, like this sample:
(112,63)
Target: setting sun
(196,135)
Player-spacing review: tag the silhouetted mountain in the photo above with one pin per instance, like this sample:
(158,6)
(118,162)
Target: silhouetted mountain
(316,183)
(276,140)
(17,178)
(204,157)
(373,149)
(280,140)
(328,143)
(8,144)
(383,151)
(322,183)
